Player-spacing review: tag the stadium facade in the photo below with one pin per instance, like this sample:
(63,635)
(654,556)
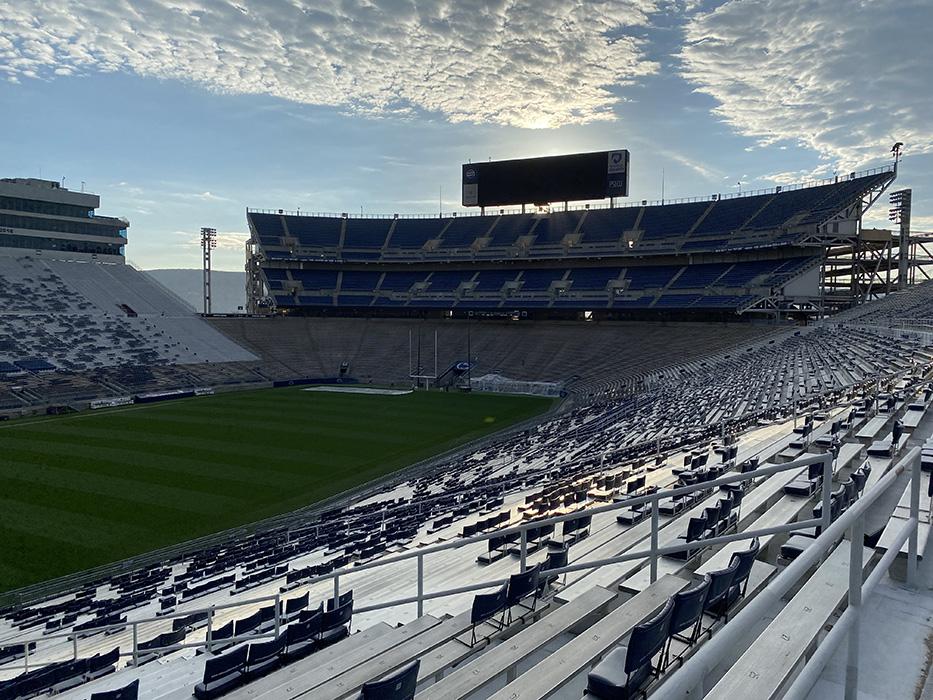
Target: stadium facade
(777,252)
(42,215)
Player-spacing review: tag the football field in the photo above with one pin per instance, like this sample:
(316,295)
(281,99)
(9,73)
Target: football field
(91,488)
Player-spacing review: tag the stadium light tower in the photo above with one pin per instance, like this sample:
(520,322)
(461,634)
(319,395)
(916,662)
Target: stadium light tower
(208,243)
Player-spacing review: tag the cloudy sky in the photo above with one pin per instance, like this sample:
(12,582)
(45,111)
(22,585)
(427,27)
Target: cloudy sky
(182,113)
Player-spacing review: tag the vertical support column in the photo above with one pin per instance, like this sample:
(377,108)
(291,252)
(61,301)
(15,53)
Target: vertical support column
(26,657)
(135,644)
(74,643)
(420,585)
(912,542)
(827,489)
(524,550)
(856,548)
(210,631)
(655,526)
(278,613)
(336,589)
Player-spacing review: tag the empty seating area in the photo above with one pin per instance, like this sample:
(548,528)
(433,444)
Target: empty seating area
(581,355)
(715,285)
(629,439)
(716,223)
(65,326)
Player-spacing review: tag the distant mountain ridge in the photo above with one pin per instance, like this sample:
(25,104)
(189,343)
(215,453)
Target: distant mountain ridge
(228,289)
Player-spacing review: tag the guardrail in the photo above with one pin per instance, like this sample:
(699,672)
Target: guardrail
(418,556)
(689,681)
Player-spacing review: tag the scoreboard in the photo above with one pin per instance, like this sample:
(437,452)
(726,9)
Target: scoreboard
(544,180)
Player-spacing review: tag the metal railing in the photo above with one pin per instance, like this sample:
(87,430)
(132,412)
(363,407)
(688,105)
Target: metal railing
(690,681)
(651,554)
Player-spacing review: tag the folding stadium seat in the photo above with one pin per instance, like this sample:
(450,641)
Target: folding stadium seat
(335,624)
(696,530)
(127,692)
(556,559)
(719,587)
(221,673)
(262,657)
(806,485)
(520,587)
(485,608)
(399,685)
(626,670)
(687,616)
(744,559)
(300,637)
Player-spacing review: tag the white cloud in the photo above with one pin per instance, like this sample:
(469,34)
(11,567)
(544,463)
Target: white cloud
(846,79)
(528,63)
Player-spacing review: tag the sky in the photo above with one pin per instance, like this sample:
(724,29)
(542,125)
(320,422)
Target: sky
(183,113)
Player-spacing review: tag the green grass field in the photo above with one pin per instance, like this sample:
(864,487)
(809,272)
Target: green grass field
(91,488)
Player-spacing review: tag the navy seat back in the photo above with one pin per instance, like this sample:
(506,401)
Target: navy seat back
(648,638)
(520,586)
(745,559)
(695,528)
(341,601)
(337,618)
(488,605)
(127,692)
(293,605)
(263,651)
(247,624)
(225,664)
(222,632)
(720,583)
(688,606)
(397,686)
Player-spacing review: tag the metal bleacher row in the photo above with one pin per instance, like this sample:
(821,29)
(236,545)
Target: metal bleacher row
(625,445)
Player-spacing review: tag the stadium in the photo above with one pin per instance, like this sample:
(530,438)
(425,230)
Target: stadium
(673,449)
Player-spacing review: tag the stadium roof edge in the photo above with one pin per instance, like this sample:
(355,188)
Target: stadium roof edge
(639,203)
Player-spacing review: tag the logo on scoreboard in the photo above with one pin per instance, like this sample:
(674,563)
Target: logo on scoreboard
(618,162)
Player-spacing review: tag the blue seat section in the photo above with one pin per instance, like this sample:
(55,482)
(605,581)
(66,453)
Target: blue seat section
(510,228)
(382,301)
(357,280)
(696,276)
(414,233)
(276,278)
(605,225)
(553,228)
(366,233)
(316,279)
(269,227)
(493,280)
(839,197)
(9,368)
(448,280)
(593,277)
(463,231)
(480,303)
(721,301)
(533,280)
(742,274)
(315,231)
(361,255)
(667,220)
(679,301)
(35,364)
(315,300)
(650,277)
(401,281)
(729,215)
(353,300)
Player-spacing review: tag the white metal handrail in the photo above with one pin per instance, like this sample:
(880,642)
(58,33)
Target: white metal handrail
(652,554)
(689,680)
